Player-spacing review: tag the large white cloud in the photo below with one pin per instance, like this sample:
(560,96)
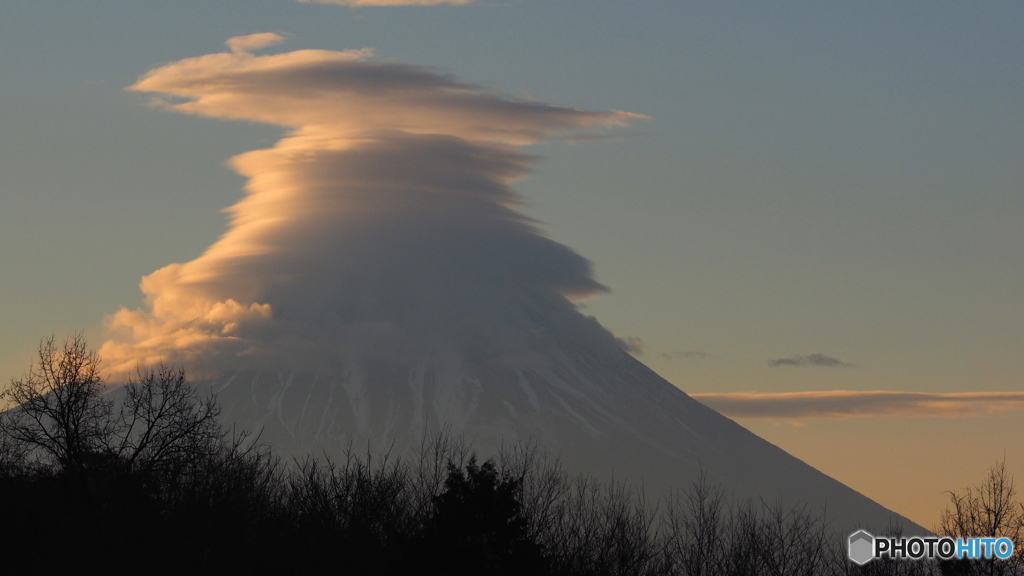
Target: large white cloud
(385,214)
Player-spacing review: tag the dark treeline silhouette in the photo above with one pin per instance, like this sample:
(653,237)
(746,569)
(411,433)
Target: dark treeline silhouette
(148,481)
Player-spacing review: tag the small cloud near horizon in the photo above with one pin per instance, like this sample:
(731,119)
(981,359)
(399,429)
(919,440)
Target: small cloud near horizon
(687,355)
(386,2)
(245,44)
(849,403)
(632,344)
(819,360)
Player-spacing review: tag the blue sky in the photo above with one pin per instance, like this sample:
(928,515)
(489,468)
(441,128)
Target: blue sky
(840,180)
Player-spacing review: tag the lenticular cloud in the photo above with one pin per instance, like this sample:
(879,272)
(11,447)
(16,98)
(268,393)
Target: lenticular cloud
(384,218)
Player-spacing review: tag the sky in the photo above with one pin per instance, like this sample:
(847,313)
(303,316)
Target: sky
(808,217)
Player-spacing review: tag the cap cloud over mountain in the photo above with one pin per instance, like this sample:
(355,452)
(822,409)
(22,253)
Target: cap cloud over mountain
(385,210)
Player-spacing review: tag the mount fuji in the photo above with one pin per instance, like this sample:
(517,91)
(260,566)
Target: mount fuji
(601,411)
(378,282)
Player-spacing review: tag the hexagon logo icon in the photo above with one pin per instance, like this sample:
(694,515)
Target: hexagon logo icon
(861,548)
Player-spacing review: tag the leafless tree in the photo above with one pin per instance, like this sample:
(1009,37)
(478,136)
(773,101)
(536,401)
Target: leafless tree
(163,421)
(356,496)
(61,415)
(546,487)
(430,467)
(712,534)
(794,540)
(990,509)
(697,526)
(57,411)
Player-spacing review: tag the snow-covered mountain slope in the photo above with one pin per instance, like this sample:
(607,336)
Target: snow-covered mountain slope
(591,403)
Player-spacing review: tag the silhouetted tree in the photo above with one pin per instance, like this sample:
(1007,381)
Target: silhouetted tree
(793,541)
(990,509)
(478,525)
(698,531)
(78,465)
(163,423)
(146,474)
(359,509)
(57,412)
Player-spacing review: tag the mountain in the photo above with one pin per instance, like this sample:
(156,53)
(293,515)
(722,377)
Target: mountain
(586,400)
(378,281)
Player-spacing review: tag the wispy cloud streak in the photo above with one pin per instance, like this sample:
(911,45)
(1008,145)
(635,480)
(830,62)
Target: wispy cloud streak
(245,44)
(819,360)
(848,403)
(687,355)
(386,2)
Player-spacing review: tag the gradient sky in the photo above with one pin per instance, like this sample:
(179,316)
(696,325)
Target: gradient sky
(824,198)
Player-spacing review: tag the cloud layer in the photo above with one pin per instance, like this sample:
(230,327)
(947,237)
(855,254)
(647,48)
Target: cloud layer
(384,216)
(244,44)
(687,355)
(847,404)
(386,2)
(819,360)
